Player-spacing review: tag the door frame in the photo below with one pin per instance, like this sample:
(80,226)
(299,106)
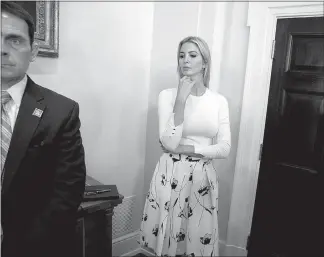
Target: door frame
(262,20)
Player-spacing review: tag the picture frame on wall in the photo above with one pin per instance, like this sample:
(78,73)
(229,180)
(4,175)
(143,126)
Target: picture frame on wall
(46,19)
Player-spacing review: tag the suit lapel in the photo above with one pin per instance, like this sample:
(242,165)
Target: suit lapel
(24,129)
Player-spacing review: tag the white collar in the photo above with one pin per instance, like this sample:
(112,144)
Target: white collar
(17,91)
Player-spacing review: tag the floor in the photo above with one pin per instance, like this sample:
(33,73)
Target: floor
(143,255)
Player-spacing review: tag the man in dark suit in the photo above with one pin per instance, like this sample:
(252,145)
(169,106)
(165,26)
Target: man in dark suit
(42,156)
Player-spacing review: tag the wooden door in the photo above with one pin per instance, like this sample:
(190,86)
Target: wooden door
(289,208)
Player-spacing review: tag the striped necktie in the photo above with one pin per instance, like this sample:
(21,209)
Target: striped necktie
(6,130)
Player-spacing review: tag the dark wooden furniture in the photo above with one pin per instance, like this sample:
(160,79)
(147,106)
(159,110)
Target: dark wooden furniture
(94,227)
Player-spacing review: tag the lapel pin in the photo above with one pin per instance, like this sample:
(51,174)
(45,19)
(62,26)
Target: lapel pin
(37,112)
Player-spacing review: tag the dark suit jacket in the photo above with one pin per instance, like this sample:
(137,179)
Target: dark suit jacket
(44,177)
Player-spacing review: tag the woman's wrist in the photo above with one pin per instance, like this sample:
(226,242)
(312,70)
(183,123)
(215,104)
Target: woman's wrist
(189,149)
(181,99)
(185,149)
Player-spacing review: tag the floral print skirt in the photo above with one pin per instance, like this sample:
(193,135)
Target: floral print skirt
(180,215)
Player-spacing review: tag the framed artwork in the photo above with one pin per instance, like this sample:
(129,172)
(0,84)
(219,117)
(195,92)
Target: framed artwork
(46,19)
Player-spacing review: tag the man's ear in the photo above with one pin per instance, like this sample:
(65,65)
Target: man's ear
(34,53)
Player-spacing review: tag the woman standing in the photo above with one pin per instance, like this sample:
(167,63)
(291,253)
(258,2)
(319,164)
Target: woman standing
(181,211)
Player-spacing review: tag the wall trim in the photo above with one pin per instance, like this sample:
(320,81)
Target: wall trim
(126,245)
(232,250)
(218,45)
(262,20)
(133,253)
(125,237)
(198,18)
(224,249)
(146,252)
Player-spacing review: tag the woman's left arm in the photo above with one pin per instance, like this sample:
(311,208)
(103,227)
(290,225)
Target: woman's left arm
(222,146)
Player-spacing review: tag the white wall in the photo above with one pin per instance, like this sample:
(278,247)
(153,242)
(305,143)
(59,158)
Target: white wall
(104,64)
(231,85)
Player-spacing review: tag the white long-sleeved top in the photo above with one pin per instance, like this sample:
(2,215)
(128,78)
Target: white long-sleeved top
(206,123)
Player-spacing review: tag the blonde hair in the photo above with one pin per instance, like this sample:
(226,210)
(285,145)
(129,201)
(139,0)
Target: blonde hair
(205,53)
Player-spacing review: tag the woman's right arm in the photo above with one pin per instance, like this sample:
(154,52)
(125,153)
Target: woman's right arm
(170,132)
(178,110)
(171,116)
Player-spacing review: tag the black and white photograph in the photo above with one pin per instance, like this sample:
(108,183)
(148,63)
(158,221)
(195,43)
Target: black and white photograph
(162,128)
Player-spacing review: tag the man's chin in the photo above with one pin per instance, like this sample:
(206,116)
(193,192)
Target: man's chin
(7,74)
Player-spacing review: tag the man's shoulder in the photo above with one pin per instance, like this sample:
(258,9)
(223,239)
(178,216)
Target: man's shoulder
(53,97)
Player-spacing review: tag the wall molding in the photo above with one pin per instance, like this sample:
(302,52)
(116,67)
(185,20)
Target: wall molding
(262,20)
(232,250)
(218,44)
(126,245)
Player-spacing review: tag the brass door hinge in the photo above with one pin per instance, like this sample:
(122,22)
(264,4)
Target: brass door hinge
(273,49)
(260,152)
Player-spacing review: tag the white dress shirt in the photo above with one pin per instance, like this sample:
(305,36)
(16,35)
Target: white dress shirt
(206,124)
(16,92)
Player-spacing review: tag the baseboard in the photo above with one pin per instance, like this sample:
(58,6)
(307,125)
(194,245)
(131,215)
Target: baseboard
(147,252)
(222,246)
(232,250)
(126,245)
(132,253)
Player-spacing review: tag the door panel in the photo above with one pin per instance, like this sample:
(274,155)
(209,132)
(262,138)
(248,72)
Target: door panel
(300,129)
